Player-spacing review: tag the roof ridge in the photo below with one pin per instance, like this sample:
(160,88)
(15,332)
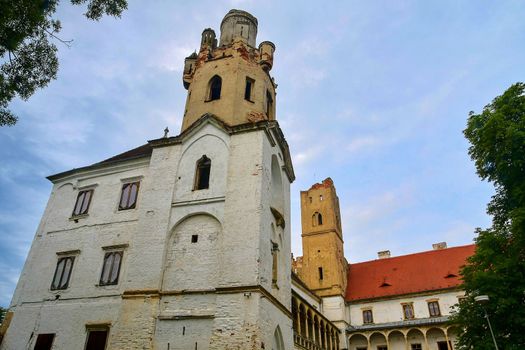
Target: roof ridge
(411,254)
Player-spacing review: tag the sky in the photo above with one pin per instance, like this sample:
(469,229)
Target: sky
(374,94)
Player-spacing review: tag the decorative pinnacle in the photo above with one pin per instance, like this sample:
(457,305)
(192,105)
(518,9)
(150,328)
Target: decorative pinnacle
(166,131)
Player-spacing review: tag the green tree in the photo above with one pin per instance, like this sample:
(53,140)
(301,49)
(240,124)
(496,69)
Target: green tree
(28,33)
(497,269)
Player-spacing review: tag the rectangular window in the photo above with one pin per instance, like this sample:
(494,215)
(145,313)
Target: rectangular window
(111,268)
(82,203)
(62,272)
(382,347)
(408,311)
(269,104)
(128,197)
(442,345)
(433,309)
(44,341)
(368,316)
(320,273)
(416,347)
(361,348)
(96,339)
(248,90)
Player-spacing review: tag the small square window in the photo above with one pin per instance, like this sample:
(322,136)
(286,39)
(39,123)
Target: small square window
(382,347)
(44,341)
(96,339)
(194,238)
(408,311)
(416,347)
(111,268)
(62,273)
(128,196)
(368,317)
(433,309)
(82,203)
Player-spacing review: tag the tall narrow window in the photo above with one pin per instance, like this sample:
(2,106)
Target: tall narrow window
(44,341)
(275,251)
(128,197)
(111,268)
(408,311)
(62,273)
(96,339)
(317,219)
(269,104)
(320,273)
(433,309)
(215,88)
(82,203)
(248,89)
(368,317)
(202,173)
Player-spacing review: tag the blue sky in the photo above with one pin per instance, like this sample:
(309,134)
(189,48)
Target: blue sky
(374,94)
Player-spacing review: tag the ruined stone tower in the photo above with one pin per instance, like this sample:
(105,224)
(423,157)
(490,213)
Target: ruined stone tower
(324,268)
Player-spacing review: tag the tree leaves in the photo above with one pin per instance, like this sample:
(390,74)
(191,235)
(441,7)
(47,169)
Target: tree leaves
(497,269)
(27,45)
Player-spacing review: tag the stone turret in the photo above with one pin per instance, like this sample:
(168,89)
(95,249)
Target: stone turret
(238,24)
(324,266)
(231,80)
(208,39)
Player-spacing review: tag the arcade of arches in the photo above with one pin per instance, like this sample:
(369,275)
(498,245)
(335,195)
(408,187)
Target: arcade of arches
(421,338)
(312,330)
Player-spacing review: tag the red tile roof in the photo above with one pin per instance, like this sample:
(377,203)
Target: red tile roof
(413,273)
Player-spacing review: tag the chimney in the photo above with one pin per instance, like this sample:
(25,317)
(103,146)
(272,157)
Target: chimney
(383,254)
(439,246)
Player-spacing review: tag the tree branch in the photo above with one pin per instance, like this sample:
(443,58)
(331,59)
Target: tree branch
(65,42)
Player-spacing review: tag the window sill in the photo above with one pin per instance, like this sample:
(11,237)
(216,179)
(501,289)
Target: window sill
(249,100)
(206,101)
(107,286)
(126,209)
(75,218)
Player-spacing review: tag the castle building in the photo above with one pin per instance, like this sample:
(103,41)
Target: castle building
(396,303)
(181,243)
(184,242)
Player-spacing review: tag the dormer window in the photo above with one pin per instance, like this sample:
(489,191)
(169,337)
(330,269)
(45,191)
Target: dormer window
(215,88)
(202,173)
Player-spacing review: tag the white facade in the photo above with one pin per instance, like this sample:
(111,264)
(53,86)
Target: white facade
(214,293)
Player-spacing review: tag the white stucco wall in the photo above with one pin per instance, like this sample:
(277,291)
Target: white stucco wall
(235,229)
(390,310)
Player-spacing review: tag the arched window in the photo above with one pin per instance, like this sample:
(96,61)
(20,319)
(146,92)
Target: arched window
(215,88)
(317,219)
(202,173)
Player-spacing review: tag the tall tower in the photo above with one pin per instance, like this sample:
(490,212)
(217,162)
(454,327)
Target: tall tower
(183,242)
(232,80)
(324,268)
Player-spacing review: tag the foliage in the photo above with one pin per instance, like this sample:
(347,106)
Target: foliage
(28,52)
(497,268)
